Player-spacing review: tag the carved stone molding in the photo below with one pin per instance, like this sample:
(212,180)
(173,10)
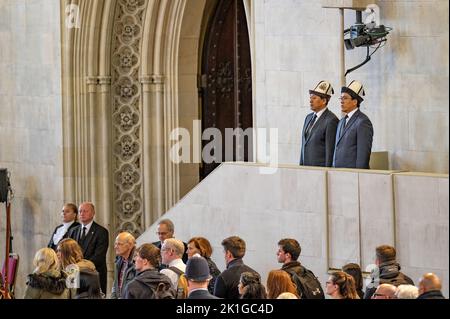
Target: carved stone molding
(126,115)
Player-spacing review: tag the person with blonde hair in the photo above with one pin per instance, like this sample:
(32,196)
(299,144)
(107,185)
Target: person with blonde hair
(72,262)
(202,247)
(341,285)
(278,282)
(47,281)
(287,295)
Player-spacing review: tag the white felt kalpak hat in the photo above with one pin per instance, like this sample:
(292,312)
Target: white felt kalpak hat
(323,89)
(355,89)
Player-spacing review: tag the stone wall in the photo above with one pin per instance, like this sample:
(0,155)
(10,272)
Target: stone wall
(297,45)
(30,124)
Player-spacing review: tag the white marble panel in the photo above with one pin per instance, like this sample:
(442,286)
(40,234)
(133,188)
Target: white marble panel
(402,13)
(283,88)
(308,187)
(288,153)
(419,199)
(376,213)
(288,122)
(432,162)
(426,137)
(343,221)
(259,54)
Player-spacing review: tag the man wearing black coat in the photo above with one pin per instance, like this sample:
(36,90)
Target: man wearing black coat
(387,272)
(198,277)
(227,282)
(430,287)
(69,218)
(165,230)
(93,239)
(148,283)
(319,129)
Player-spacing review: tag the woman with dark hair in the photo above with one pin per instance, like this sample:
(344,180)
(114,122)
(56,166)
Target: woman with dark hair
(69,215)
(202,246)
(341,286)
(250,286)
(355,271)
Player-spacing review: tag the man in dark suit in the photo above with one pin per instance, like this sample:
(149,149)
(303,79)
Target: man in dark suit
(93,239)
(165,230)
(69,218)
(355,132)
(198,277)
(319,129)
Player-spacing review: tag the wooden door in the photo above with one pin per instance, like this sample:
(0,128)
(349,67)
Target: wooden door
(226,82)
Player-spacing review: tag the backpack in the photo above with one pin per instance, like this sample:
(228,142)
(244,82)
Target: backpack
(308,286)
(163,291)
(182,285)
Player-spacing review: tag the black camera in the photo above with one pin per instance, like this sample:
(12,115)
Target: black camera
(4,185)
(365,35)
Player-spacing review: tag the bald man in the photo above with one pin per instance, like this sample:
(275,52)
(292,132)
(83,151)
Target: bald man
(430,287)
(93,239)
(124,246)
(385,291)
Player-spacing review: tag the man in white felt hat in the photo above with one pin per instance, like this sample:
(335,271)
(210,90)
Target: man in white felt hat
(319,129)
(354,132)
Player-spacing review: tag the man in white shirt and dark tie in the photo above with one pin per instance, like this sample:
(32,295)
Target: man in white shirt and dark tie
(319,129)
(93,239)
(355,131)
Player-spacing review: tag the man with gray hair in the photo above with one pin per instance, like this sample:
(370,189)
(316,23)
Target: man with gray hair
(165,230)
(171,252)
(125,271)
(407,292)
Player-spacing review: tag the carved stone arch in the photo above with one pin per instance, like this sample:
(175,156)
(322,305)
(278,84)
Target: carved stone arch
(129,78)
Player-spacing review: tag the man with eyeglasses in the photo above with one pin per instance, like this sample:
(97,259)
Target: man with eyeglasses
(385,291)
(319,129)
(354,134)
(165,230)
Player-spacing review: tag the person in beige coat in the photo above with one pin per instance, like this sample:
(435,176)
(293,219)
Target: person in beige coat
(47,281)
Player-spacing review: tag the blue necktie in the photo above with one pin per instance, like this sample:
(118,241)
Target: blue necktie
(311,123)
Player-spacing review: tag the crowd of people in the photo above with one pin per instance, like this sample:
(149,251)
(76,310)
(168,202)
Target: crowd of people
(74,266)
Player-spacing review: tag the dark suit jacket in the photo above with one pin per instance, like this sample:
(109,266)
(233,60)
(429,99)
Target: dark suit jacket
(66,235)
(201,294)
(318,148)
(353,148)
(94,248)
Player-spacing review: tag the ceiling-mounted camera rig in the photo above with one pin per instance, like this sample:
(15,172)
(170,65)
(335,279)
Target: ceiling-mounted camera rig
(369,35)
